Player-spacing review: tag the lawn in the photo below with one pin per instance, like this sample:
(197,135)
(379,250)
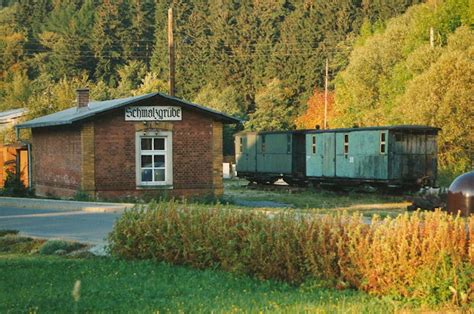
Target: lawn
(32,283)
(321,200)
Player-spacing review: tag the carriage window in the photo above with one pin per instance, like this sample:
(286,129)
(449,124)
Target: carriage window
(314,144)
(346,144)
(263,143)
(382,143)
(288,143)
(241,145)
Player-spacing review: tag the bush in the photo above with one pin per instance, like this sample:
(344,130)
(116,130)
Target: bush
(52,246)
(425,256)
(13,185)
(5,232)
(12,243)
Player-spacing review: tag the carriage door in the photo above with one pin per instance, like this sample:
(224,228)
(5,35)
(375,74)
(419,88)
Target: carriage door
(328,154)
(251,152)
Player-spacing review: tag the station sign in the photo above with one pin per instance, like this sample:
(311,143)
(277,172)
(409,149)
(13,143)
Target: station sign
(153,113)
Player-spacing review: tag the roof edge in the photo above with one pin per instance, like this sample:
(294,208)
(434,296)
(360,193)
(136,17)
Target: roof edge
(34,123)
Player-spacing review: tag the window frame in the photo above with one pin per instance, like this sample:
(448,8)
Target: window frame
(383,143)
(167,152)
(345,149)
(313,144)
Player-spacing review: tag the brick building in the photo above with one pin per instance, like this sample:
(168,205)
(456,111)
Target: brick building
(140,146)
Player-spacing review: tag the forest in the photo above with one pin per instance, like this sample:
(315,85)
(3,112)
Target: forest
(390,61)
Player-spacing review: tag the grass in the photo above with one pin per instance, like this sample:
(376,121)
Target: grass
(45,284)
(323,201)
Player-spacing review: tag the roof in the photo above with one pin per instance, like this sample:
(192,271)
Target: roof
(408,128)
(75,114)
(6,116)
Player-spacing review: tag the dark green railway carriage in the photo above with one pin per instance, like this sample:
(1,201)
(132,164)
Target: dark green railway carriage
(394,155)
(264,157)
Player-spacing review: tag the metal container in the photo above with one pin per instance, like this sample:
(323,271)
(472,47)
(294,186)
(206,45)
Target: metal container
(461,195)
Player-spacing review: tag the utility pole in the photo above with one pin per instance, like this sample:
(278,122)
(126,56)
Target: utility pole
(171,52)
(326,95)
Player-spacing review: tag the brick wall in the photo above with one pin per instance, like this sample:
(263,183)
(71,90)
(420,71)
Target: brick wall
(98,156)
(217,159)
(56,156)
(193,167)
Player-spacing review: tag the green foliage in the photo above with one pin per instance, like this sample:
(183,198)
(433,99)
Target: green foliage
(14,244)
(394,76)
(13,185)
(226,52)
(131,76)
(4,232)
(151,83)
(227,99)
(83,196)
(338,249)
(275,109)
(442,96)
(52,246)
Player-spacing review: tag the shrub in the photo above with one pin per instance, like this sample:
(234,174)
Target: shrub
(12,243)
(428,257)
(13,185)
(52,246)
(5,232)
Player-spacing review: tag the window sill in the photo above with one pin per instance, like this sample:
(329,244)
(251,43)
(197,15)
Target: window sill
(154,187)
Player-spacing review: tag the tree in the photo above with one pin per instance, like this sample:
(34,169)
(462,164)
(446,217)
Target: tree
(314,114)
(443,96)
(131,76)
(274,108)
(54,97)
(106,42)
(151,83)
(227,100)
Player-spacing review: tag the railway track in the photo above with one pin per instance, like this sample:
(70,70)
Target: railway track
(365,189)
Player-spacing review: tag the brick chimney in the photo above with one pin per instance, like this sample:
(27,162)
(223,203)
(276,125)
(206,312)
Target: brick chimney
(82,97)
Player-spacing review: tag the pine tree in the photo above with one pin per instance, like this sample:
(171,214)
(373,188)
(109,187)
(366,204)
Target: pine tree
(107,43)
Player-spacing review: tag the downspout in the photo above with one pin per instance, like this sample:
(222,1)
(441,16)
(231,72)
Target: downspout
(30,167)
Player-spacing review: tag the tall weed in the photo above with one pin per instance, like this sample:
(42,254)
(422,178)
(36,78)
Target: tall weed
(427,257)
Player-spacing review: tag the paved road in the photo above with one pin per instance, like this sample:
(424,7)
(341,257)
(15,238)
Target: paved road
(70,225)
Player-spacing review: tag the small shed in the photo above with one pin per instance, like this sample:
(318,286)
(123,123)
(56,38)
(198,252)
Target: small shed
(148,145)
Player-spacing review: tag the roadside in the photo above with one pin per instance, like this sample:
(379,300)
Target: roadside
(48,204)
(74,225)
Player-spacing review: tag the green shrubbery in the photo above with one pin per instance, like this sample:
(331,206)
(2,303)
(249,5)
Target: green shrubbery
(11,242)
(4,232)
(55,246)
(13,186)
(426,257)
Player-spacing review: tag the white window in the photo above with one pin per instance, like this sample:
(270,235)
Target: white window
(154,158)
